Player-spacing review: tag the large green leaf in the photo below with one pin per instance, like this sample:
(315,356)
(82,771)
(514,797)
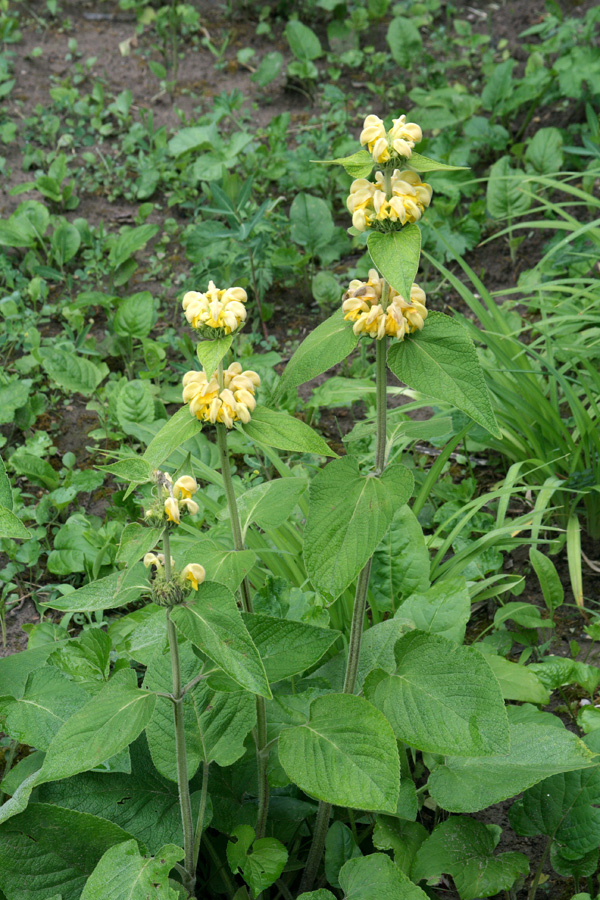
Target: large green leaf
(73,373)
(142,802)
(396,255)
(175,432)
(216,723)
(325,347)
(376,876)
(135,316)
(344,754)
(517,682)
(212,621)
(400,564)
(505,195)
(136,541)
(287,647)
(16,668)
(107,724)
(311,221)
(228,567)
(47,849)
(111,592)
(564,807)
(443,698)
(48,700)
(348,516)
(444,609)
(124,874)
(441,362)
(210,353)
(280,430)
(464,848)
(536,752)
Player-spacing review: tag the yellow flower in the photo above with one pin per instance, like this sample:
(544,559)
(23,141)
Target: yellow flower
(370,207)
(362,305)
(157,560)
(172,510)
(210,404)
(185,486)
(216,313)
(397,142)
(194,573)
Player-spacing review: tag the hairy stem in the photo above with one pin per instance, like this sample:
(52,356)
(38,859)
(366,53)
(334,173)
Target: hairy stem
(358,617)
(262,750)
(180,748)
(201,813)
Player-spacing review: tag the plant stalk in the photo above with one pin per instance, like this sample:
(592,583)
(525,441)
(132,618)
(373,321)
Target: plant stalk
(180,749)
(201,814)
(538,873)
(358,617)
(262,750)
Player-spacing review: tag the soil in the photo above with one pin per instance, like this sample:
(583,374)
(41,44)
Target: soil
(100,30)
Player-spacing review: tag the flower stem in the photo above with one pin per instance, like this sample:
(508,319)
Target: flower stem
(262,751)
(180,749)
(358,618)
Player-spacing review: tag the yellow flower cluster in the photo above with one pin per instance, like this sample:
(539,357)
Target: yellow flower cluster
(385,145)
(235,401)
(217,312)
(181,500)
(362,305)
(370,206)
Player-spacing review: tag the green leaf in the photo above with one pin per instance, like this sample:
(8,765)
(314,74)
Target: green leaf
(216,723)
(177,430)
(396,255)
(443,698)
(73,373)
(142,802)
(548,578)
(11,526)
(498,86)
(404,41)
(376,652)
(136,541)
(441,362)
(424,164)
(261,862)
(34,468)
(48,700)
(344,754)
(16,234)
(212,621)
(505,196)
(13,396)
(287,647)
(544,151)
(228,567)
(65,243)
(321,894)
(403,838)
(348,516)
(107,724)
(110,592)
(303,42)
(564,807)
(311,221)
(400,564)
(124,874)
(444,609)
(47,849)
(326,346)
(135,403)
(189,140)
(16,668)
(268,70)
(517,682)
(556,671)
(536,752)
(130,241)
(210,353)
(357,165)
(132,468)
(134,317)
(269,504)
(524,614)
(464,848)
(376,876)
(6,497)
(340,846)
(284,432)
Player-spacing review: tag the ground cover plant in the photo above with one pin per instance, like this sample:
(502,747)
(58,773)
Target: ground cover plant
(299,520)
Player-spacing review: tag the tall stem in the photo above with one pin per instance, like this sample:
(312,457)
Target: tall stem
(262,752)
(358,617)
(180,749)
(201,814)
